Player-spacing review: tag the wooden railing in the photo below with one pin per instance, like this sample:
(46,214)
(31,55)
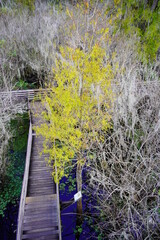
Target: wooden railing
(24,186)
(29,94)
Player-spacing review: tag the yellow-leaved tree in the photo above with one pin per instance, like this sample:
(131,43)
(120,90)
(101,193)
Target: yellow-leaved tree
(77,109)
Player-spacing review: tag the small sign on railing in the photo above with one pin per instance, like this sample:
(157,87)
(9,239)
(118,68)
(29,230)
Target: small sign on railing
(77,196)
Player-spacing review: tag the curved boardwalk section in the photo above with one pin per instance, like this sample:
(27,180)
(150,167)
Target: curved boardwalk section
(40,218)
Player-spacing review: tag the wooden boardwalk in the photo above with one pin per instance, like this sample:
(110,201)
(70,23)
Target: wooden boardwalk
(39,212)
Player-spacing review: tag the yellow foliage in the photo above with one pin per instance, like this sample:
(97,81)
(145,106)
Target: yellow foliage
(116,2)
(78,108)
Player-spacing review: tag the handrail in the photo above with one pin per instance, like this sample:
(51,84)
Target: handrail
(29,93)
(24,186)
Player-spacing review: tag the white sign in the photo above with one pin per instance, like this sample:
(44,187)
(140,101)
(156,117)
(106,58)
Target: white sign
(77,196)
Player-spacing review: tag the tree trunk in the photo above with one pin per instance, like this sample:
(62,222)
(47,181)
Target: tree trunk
(79,219)
(79,187)
(154,5)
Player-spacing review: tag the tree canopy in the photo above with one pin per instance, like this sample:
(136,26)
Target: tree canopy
(78,107)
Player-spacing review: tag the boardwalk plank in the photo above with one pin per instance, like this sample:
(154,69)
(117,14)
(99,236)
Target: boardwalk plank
(36,217)
(46,232)
(39,193)
(46,198)
(40,224)
(41,188)
(41,184)
(34,221)
(40,205)
(50,237)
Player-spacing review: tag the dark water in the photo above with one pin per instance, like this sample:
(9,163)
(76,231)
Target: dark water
(68,220)
(68,215)
(8,223)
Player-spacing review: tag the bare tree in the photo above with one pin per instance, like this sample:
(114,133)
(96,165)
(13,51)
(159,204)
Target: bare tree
(28,41)
(124,166)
